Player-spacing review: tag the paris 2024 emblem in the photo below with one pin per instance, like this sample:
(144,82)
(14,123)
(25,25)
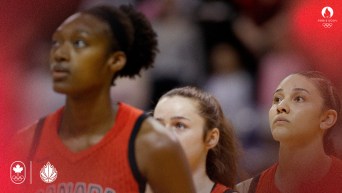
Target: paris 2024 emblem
(327,20)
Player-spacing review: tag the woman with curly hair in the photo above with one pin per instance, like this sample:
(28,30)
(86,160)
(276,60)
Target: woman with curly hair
(90,144)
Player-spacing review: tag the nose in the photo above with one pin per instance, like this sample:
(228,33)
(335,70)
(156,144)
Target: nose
(60,53)
(282,107)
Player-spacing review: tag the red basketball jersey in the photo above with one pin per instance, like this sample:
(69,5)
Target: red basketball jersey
(106,167)
(331,182)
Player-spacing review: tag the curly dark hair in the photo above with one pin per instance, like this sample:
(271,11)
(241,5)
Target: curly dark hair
(132,33)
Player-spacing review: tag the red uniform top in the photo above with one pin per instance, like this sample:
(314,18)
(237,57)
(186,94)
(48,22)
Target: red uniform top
(219,188)
(331,182)
(107,167)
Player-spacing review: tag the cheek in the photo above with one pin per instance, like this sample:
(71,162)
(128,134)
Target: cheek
(91,58)
(306,119)
(185,140)
(92,66)
(271,113)
(303,113)
(190,140)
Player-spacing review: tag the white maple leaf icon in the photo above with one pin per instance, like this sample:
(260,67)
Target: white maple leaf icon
(17,169)
(17,172)
(48,173)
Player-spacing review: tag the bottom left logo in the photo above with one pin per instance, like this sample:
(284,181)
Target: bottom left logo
(18,173)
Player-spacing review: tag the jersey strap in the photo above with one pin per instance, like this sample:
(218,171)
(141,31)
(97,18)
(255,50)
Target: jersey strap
(131,153)
(36,137)
(254,184)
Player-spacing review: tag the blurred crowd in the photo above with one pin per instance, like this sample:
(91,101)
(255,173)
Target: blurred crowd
(238,50)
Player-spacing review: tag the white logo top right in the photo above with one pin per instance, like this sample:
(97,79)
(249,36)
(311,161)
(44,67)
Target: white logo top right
(327,21)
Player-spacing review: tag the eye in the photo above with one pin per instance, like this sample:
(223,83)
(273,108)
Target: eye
(55,43)
(299,99)
(276,99)
(80,44)
(180,126)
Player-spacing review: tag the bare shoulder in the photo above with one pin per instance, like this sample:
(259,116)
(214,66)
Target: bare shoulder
(243,186)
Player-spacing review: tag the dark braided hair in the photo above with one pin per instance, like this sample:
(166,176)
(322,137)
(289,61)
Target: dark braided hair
(132,33)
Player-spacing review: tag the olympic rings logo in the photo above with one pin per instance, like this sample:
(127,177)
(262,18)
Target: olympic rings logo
(327,25)
(19,178)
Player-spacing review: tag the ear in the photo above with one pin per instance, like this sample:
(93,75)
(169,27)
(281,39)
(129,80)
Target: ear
(117,61)
(328,120)
(212,138)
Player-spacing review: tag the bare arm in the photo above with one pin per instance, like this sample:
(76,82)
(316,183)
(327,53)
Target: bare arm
(161,160)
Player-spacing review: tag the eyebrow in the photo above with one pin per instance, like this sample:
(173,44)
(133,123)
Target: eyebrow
(174,118)
(295,89)
(180,117)
(78,31)
(83,31)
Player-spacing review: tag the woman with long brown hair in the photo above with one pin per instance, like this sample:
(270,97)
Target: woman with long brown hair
(205,134)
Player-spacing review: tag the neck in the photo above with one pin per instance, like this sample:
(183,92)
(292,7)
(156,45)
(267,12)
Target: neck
(201,180)
(87,116)
(303,164)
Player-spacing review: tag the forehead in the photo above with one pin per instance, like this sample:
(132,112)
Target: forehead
(81,22)
(298,81)
(176,105)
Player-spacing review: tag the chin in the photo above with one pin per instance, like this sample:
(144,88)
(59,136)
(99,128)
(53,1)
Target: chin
(279,134)
(60,89)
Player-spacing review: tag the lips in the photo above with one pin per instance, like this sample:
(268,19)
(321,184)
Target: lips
(280,120)
(59,71)
(59,67)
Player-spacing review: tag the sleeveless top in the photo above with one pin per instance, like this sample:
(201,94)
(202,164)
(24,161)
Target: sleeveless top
(106,167)
(331,182)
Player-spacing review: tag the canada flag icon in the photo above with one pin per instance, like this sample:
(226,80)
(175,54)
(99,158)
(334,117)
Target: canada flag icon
(18,172)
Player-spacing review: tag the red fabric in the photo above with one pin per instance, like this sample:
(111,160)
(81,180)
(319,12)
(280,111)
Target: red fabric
(331,182)
(219,188)
(104,167)
(266,181)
